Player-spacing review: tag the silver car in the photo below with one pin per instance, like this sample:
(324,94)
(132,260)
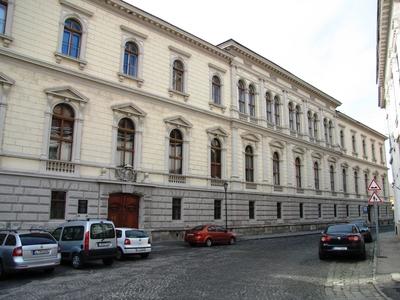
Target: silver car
(132,241)
(84,240)
(27,250)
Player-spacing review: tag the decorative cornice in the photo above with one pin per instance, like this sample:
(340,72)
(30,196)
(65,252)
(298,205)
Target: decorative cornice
(67,93)
(179,51)
(6,80)
(216,68)
(134,32)
(137,14)
(77,8)
(129,108)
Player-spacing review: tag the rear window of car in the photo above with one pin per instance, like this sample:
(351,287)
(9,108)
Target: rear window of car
(72,233)
(197,228)
(342,229)
(136,234)
(36,239)
(2,237)
(102,231)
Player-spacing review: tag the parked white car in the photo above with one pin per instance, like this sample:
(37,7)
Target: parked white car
(131,241)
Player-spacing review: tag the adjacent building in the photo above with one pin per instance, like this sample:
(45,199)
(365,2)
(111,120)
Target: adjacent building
(108,111)
(388,78)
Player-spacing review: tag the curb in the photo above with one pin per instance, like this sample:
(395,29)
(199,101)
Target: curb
(374,270)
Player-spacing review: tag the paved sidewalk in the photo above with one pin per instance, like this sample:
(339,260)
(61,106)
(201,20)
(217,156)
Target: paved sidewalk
(387,265)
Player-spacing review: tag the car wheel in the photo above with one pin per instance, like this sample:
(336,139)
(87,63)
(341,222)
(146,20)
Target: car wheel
(232,241)
(77,261)
(120,254)
(208,242)
(144,255)
(108,261)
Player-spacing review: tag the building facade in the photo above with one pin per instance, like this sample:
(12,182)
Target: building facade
(388,78)
(108,111)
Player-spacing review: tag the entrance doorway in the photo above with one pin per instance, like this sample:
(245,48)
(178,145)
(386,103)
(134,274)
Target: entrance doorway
(123,210)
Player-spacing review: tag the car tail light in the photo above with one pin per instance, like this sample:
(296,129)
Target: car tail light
(17,251)
(353,238)
(86,242)
(325,238)
(127,242)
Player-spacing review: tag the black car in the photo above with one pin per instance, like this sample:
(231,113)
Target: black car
(342,239)
(364,229)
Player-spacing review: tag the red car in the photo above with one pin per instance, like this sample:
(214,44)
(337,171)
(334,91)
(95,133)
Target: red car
(209,235)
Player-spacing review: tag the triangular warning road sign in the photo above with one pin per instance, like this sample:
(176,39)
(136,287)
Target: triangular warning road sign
(373,186)
(374,198)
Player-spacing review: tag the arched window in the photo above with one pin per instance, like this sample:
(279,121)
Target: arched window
(131,59)
(326,130)
(330,132)
(276,111)
(344,176)
(175,152)
(298,119)
(268,107)
(364,146)
(366,182)
(356,182)
(126,142)
(72,37)
(315,126)
(215,158)
(249,161)
(275,169)
(216,90)
(373,152)
(178,76)
(3,16)
(341,138)
(242,97)
(291,116)
(62,131)
(332,177)
(297,164)
(353,142)
(252,101)
(316,175)
(310,123)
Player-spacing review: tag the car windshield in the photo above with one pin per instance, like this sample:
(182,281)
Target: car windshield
(197,228)
(341,229)
(36,239)
(136,234)
(102,231)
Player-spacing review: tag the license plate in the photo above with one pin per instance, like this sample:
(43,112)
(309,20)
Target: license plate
(340,248)
(40,252)
(141,250)
(103,244)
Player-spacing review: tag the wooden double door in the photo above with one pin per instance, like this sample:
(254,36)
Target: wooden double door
(123,210)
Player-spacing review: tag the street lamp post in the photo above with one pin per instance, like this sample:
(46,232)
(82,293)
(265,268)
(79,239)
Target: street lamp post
(226,205)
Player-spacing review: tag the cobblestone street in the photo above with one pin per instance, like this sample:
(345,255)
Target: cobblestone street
(282,268)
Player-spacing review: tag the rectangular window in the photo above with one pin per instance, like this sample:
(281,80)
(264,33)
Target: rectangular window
(320,210)
(57,205)
(73,233)
(82,206)
(3,16)
(359,210)
(176,208)
(217,209)
(335,210)
(301,211)
(347,211)
(251,209)
(279,210)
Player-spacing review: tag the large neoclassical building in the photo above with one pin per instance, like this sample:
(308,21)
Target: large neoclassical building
(107,111)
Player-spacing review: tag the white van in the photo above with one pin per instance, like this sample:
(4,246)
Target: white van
(84,240)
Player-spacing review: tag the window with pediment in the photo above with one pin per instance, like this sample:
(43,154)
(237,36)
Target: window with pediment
(356,182)
(276,169)
(249,164)
(178,76)
(216,151)
(332,177)
(175,152)
(316,176)
(344,178)
(297,164)
(126,142)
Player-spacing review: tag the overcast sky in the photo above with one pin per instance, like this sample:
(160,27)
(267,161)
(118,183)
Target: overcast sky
(328,43)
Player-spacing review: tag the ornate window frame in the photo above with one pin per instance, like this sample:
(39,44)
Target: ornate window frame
(220,134)
(131,35)
(219,72)
(6,37)
(136,115)
(5,86)
(178,122)
(69,10)
(252,140)
(177,54)
(78,103)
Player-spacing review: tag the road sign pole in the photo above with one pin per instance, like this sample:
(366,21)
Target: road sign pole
(376,228)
